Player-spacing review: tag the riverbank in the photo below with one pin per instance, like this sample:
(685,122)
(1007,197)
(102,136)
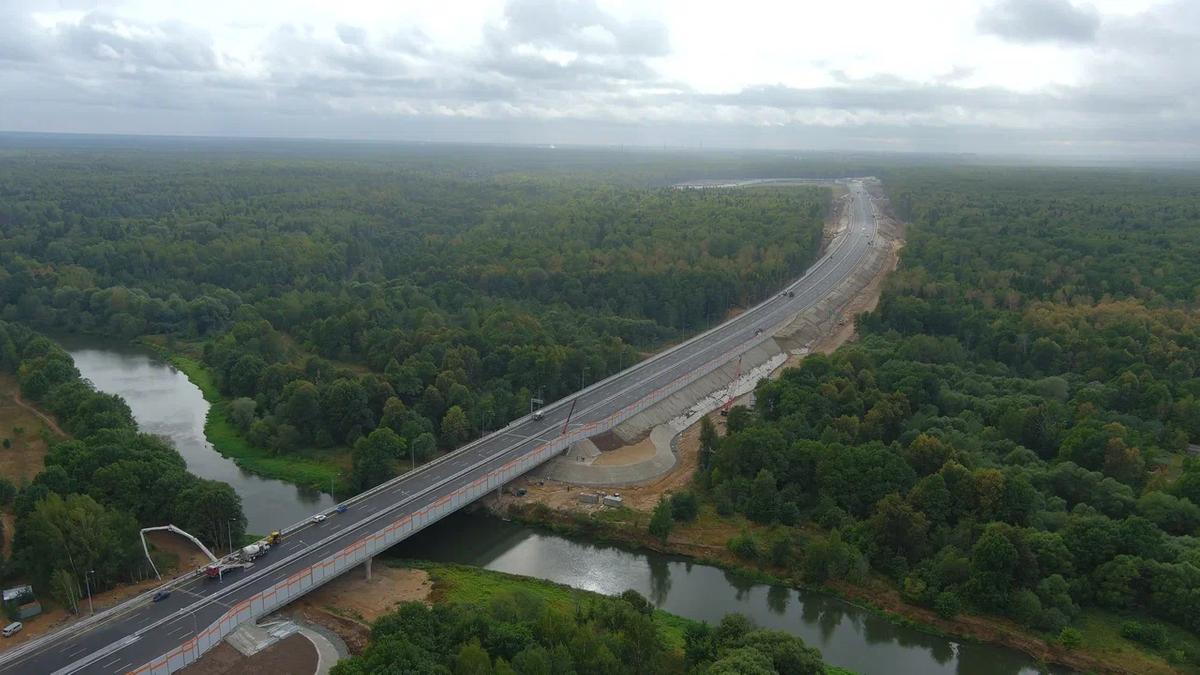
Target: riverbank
(341,609)
(705,541)
(314,473)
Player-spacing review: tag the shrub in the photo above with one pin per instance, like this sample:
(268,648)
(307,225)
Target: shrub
(744,546)
(947,604)
(684,506)
(1148,634)
(1070,638)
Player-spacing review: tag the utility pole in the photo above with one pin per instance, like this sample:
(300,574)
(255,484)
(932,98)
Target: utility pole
(229,526)
(88,584)
(582,373)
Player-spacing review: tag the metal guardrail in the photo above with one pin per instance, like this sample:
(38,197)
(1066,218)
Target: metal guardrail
(564,439)
(534,457)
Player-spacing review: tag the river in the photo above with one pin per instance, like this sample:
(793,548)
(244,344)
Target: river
(166,403)
(847,635)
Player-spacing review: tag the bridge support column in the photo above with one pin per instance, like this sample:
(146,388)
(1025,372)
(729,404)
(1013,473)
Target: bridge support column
(367,567)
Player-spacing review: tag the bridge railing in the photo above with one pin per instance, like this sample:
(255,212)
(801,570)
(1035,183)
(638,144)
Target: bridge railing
(357,552)
(552,447)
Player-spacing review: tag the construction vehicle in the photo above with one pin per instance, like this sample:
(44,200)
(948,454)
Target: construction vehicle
(249,553)
(220,569)
(274,538)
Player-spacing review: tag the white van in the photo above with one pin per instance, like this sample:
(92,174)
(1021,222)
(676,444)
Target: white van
(539,414)
(13,628)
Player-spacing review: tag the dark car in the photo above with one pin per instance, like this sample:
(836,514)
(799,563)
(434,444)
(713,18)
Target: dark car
(161,595)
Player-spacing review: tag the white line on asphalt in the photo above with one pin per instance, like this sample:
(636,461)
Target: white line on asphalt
(111,663)
(124,668)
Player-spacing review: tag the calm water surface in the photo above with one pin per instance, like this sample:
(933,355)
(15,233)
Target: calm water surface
(847,635)
(165,403)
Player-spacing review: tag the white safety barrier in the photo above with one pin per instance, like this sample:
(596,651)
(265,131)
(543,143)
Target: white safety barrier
(301,582)
(328,568)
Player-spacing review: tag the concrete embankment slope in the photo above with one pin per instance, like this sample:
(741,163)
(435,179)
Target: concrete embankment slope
(665,420)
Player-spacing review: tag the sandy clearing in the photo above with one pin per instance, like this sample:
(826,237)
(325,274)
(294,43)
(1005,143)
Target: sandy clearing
(347,605)
(293,655)
(643,497)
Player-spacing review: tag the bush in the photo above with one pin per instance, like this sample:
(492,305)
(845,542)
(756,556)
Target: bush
(1070,638)
(1148,634)
(7,491)
(1025,607)
(947,604)
(744,546)
(660,520)
(684,506)
(781,550)
(1053,620)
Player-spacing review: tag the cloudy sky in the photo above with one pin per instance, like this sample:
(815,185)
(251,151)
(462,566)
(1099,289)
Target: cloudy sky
(1057,77)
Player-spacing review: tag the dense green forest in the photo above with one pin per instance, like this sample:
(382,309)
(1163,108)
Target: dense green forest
(1010,435)
(338,296)
(83,512)
(518,633)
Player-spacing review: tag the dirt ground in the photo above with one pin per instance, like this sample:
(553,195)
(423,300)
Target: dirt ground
(347,605)
(24,458)
(643,497)
(293,655)
(629,454)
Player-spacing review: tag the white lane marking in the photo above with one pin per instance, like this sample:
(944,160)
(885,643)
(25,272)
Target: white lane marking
(111,663)
(77,652)
(848,257)
(124,668)
(181,629)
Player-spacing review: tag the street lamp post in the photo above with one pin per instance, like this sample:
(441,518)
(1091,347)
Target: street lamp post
(331,481)
(229,526)
(87,582)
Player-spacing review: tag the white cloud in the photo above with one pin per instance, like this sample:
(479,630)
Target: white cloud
(1114,76)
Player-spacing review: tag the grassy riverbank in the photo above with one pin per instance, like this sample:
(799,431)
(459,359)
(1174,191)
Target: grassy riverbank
(313,469)
(474,586)
(1101,649)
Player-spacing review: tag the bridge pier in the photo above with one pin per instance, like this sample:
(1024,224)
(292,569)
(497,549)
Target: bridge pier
(367,567)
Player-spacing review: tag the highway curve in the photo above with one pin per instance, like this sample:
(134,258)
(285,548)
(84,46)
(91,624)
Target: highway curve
(141,632)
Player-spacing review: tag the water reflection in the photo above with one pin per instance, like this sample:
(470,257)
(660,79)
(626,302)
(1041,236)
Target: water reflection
(847,635)
(165,403)
(777,598)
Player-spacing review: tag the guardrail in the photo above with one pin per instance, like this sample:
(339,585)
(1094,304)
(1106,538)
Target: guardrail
(559,443)
(353,554)
(332,566)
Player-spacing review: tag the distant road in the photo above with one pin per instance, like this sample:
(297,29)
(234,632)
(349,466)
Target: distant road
(143,632)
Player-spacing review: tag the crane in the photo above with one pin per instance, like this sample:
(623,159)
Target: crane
(176,530)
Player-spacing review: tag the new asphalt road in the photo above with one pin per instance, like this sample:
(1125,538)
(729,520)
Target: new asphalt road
(196,603)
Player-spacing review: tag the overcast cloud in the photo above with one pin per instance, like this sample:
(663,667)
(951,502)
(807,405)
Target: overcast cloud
(1063,77)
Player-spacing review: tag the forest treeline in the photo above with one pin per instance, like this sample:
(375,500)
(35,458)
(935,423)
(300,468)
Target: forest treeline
(1010,436)
(390,308)
(82,513)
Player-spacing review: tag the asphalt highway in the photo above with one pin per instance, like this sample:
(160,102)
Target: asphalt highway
(195,604)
